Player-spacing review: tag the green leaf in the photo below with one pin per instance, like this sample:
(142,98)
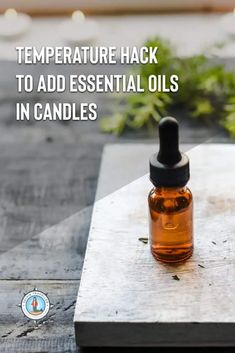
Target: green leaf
(229,124)
(113,124)
(202,107)
(205,90)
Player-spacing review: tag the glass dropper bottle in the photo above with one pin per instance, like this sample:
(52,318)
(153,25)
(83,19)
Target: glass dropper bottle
(170,201)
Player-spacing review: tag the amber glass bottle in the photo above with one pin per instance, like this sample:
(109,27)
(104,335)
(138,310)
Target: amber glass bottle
(170,201)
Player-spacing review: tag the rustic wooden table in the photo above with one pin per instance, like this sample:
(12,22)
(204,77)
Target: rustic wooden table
(48,179)
(126,298)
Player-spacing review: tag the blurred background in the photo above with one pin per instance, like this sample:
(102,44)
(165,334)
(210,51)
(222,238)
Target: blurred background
(123,22)
(49,170)
(101,6)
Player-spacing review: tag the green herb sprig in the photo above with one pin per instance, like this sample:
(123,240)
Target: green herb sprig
(206,91)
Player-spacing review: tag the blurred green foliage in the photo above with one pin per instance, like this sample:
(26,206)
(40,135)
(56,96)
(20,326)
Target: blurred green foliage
(206,91)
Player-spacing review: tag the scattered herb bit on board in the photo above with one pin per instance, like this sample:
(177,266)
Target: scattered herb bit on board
(201,266)
(176,278)
(206,92)
(49,139)
(225,241)
(144,240)
(213,242)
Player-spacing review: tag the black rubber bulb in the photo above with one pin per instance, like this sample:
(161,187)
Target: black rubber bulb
(169,153)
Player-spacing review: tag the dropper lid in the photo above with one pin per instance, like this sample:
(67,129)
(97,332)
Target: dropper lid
(169,167)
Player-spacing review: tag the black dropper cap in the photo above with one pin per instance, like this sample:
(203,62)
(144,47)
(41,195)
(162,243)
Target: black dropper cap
(169,167)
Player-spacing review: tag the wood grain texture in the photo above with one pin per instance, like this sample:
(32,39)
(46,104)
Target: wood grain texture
(28,345)
(127,298)
(57,253)
(57,324)
(33,197)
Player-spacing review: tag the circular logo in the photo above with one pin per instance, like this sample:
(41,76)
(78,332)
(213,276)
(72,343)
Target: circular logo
(35,305)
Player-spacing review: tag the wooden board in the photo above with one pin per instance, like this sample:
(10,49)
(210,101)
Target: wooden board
(126,298)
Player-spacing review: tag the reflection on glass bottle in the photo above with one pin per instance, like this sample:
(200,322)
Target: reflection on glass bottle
(171,223)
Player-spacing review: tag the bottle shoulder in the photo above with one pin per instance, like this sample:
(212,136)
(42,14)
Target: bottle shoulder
(170,192)
(170,199)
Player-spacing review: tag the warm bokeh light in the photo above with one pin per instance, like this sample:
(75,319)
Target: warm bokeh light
(78,16)
(10,13)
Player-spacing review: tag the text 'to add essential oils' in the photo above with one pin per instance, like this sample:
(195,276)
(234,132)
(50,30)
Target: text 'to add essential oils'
(170,201)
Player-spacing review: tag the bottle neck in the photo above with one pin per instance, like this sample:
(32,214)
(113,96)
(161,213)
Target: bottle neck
(174,189)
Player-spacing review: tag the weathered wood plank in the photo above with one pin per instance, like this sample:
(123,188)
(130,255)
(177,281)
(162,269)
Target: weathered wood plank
(59,240)
(39,345)
(57,253)
(127,298)
(41,185)
(58,323)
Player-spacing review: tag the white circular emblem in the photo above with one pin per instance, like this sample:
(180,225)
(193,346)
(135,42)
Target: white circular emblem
(35,305)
